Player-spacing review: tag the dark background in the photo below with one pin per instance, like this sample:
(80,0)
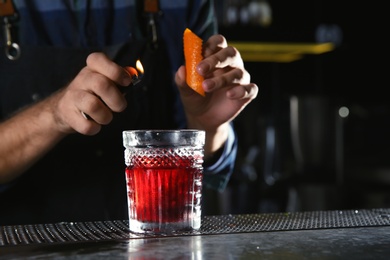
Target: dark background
(345,163)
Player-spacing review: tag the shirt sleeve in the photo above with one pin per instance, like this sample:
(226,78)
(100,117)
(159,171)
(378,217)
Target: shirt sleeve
(217,175)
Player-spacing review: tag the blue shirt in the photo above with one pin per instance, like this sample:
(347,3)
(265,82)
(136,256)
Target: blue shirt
(99,23)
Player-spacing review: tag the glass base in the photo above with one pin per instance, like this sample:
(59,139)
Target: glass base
(164,228)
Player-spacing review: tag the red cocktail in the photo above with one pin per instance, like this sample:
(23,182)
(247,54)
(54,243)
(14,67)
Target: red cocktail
(164,186)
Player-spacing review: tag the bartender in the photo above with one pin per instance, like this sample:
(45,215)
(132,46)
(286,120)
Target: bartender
(62,107)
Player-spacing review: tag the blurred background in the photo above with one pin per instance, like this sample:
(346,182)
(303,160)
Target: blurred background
(317,136)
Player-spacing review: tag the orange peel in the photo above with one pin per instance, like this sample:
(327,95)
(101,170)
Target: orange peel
(193,55)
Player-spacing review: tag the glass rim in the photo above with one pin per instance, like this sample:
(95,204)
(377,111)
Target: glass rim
(163,130)
(163,137)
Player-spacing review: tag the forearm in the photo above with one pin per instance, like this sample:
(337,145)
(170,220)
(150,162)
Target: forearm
(215,137)
(217,171)
(26,137)
(215,140)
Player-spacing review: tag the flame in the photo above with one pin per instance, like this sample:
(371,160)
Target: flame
(139,66)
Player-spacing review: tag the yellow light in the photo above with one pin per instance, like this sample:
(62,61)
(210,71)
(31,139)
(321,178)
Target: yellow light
(139,66)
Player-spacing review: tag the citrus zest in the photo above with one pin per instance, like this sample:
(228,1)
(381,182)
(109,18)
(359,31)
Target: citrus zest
(193,55)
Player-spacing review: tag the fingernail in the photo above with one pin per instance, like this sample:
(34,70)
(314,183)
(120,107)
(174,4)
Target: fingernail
(209,85)
(203,68)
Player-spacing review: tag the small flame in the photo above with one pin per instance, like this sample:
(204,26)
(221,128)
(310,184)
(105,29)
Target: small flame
(139,66)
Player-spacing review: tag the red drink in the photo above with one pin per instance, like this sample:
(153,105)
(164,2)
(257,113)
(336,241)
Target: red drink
(164,179)
(164,190)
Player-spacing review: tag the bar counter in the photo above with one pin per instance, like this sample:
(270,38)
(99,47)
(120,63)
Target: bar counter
(338,234)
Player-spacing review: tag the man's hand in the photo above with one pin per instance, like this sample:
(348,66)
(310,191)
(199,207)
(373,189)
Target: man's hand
(228,90)
(91,98)
(86,104)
